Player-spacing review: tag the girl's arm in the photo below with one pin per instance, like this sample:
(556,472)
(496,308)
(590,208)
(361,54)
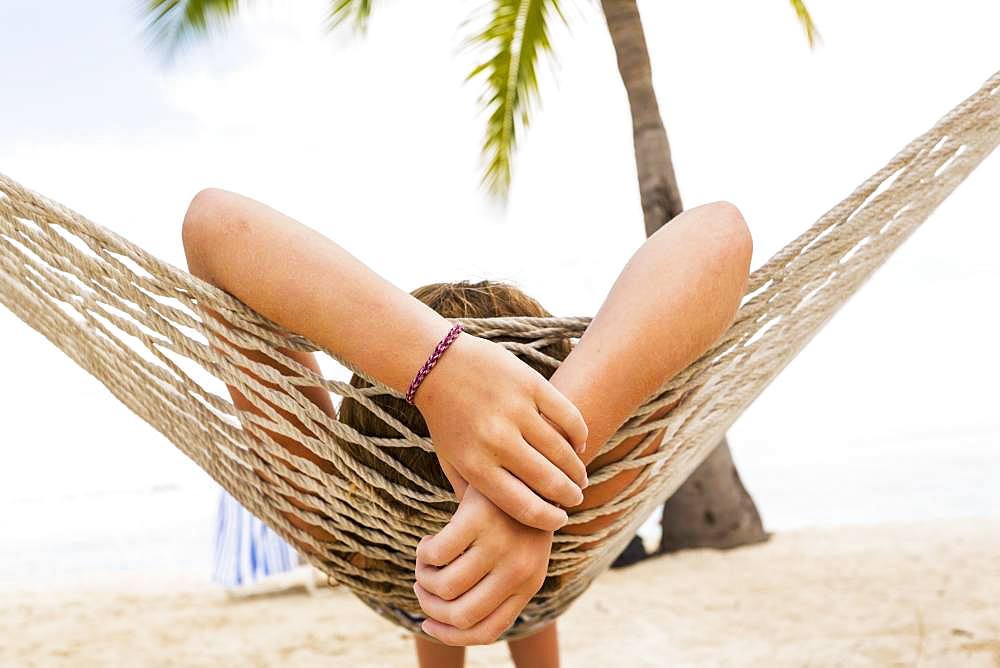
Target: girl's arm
(672,301)
(485,409)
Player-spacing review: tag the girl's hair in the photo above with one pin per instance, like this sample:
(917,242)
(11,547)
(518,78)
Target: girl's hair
(452,300)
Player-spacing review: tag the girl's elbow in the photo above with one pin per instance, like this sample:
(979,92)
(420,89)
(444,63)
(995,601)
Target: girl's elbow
(211,219)
(732,234)
(732,250)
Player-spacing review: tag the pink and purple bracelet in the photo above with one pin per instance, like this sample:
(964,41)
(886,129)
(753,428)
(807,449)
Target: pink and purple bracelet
(442,346)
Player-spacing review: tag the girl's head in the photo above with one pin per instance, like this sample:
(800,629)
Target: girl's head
(452,300)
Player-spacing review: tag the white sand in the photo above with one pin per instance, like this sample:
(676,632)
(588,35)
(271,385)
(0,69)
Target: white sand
(924,594)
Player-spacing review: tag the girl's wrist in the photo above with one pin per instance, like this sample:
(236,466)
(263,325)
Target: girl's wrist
(443,378)
(428,366)
(416,335)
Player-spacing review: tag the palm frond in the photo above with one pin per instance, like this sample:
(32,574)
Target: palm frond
(172,22)
(358,12)
(516,35)
(805,18)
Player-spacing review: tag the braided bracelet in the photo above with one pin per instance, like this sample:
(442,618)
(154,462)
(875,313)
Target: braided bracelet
(442,346)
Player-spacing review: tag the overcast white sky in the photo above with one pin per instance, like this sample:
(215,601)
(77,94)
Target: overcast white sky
(375,142)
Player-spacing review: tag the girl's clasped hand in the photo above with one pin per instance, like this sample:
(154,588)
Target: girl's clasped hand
(509,442)
(506,431)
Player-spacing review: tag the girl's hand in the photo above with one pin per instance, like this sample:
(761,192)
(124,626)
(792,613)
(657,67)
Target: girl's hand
(478,573)
(505,430)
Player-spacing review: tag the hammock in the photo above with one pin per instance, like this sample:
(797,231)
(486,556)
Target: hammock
(134,322)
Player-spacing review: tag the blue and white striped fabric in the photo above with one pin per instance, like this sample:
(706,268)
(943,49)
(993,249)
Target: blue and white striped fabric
(246,551)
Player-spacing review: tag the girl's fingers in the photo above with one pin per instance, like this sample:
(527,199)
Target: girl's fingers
(563,414)
(515,498)
(471,607)
(446,546)
(458,577)
(534,470)
(458,483)
(545,438)
(483,633)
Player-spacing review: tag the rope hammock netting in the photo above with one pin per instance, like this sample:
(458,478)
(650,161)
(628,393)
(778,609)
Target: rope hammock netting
(137,324)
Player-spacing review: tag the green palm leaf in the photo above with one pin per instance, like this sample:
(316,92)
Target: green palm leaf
(174,21)
(516,35)
(806,20)
(355,11)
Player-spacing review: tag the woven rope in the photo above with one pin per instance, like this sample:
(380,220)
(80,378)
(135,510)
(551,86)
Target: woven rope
(134,322)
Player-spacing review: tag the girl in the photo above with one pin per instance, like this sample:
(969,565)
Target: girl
(513,445)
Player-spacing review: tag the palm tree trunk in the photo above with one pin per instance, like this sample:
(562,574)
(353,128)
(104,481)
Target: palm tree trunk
(661,200)
(711,508)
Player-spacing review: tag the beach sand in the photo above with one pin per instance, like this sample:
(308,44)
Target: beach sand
(924,594)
